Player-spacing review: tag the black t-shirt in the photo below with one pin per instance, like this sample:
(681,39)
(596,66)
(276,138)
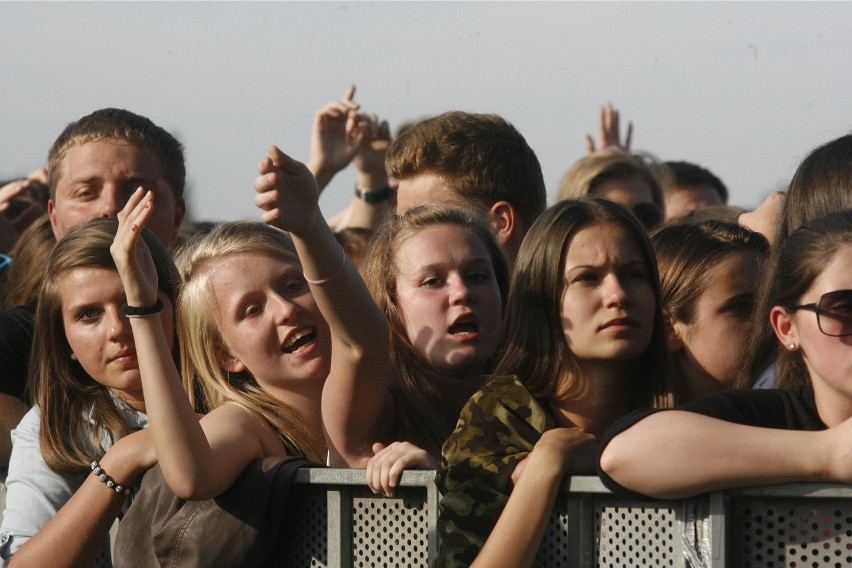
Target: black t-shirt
(16,340)
(783,409)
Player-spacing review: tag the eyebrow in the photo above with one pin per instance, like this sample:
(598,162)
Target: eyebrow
(629,264)
(472,262)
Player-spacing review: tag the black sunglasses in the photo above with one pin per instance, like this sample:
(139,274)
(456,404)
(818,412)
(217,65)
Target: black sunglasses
(833,312)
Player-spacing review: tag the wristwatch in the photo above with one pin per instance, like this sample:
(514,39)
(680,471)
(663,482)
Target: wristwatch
(373,195)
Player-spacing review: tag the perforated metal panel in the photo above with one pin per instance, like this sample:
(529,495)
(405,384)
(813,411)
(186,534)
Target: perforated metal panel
(776,533)
(556,545)
(389,532)
(306,527)
(636,536)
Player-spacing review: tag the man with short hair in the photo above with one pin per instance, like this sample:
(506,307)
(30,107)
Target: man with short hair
(94,165)
(473,159)
(689,187)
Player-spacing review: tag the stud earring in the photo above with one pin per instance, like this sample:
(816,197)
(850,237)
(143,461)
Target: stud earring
(73,356)
(791,346)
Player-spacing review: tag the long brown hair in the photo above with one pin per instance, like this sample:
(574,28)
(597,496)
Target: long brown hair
(65,394)
(795,267)
(427,401)
(533,343)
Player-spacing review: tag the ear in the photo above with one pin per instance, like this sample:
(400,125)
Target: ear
(674,329)
(51,213)
(504,222)
(228,361)
(784,327)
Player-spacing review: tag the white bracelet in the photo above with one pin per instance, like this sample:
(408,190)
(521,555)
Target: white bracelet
(98,472)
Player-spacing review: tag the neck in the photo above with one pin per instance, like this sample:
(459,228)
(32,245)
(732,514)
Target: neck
(604,398)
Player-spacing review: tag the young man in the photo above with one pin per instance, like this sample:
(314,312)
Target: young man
(94,166)
(473,159)
(690,188)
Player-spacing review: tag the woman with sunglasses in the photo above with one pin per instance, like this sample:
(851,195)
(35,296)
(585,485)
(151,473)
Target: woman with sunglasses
(740,438)
(621,176)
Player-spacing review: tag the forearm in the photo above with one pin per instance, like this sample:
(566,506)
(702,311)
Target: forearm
(75,535)
(517,535)
(676,454)
(182,448)
(355,394)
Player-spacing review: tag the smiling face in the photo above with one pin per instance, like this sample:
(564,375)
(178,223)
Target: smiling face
(99,336)
(448,298)
(270,324)
(97,179)
(712,344)
(608,305)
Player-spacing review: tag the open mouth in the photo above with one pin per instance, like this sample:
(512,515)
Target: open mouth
(464,328)
(299,340)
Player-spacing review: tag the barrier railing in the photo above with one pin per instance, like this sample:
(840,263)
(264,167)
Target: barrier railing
(335,521)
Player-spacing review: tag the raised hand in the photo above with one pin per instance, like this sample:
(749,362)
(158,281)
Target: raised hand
(130,253)
(370,158)
(609,131)
(337,135)
(388,462)
(287,193)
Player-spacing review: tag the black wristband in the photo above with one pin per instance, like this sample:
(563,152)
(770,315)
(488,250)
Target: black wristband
(143,311)
(373,195)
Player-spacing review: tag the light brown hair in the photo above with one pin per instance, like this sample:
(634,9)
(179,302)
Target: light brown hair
(65,394)
(427,401)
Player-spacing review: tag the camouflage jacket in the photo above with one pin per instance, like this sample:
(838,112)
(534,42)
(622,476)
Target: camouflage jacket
(497,428)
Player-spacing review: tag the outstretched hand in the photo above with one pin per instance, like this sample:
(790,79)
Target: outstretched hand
(287,192)
(337,135)
(130,253)
(385,468)
(609,131)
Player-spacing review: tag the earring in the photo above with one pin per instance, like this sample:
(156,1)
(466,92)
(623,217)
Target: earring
(791,346)
(73,356)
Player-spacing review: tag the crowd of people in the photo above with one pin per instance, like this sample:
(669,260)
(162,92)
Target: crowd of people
(639,328)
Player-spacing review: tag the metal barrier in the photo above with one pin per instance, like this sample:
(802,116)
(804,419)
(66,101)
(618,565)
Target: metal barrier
(334,521)
(795,526)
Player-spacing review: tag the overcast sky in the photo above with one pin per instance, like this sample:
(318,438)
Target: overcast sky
(745,89)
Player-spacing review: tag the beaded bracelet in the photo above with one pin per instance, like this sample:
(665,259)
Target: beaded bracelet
(98,472)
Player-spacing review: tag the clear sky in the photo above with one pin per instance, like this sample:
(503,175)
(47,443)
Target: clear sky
(745,89)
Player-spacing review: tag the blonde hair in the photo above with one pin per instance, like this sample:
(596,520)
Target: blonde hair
(589,172)
(63,391)
(428,401)
(199,330)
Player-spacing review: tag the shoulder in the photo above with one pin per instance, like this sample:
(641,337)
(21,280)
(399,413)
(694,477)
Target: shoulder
(234,422)
(28,427)
(792,409)
(502,419)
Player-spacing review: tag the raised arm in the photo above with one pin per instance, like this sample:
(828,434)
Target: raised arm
(199,461)
(336,137)
(374,198)
(675,454)
(356,402)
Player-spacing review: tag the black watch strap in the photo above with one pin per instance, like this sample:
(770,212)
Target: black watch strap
(373,195)
(142,311)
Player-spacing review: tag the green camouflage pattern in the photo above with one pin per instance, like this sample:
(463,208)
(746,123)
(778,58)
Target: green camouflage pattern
(497,428)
